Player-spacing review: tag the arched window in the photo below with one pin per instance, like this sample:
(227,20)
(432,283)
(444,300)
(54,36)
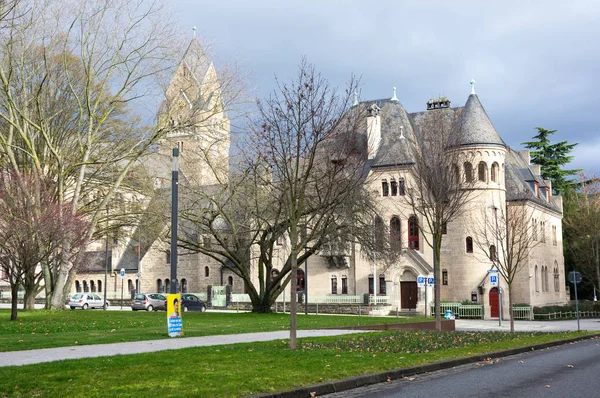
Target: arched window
(536,277)
(86,289)
(468,172)
(92,287)
(77,287)
(469,244)
(300,280)
(230,280)
(99,286)
(413,233)
(556,280)
(344,284)
(493,253)
(546,279)
(395,237)
(495,172)
(333,284)
(379,233)
(159,286)
(482,171)
(184,285)
(401,188)
(206,271)
(167,286)
(394,186)
(456,173)
(129,285)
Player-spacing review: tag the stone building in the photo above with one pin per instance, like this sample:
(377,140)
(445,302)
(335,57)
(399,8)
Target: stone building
(502,179)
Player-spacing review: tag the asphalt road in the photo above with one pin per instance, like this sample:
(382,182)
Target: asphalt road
(569,370)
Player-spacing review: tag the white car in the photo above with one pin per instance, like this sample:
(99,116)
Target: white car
(87,301)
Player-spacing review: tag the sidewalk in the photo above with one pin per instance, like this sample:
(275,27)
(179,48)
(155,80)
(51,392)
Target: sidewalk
(527,326)
(18,358)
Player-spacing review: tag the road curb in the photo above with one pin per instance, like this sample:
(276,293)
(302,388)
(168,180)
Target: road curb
(364,380)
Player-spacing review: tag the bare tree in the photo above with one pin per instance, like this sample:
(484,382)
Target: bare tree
(32,228)
(582,226)
(438,191)
(507,240)
(70,75)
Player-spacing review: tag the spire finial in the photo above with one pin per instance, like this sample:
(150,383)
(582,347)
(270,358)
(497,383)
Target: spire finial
(394,98)
(194,29)
(472,86)
(355,98)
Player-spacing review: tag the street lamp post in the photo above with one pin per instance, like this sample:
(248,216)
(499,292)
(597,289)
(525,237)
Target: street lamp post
(106,260)
(174,207)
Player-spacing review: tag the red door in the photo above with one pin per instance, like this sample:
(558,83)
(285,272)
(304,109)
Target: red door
(408,295)
(413,233)
(494,304)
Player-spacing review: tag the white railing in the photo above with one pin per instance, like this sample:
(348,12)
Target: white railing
(473,311)
(522,312)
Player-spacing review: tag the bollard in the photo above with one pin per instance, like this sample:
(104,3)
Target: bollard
(317,309)
(237,307)
(396,311)
(359,310)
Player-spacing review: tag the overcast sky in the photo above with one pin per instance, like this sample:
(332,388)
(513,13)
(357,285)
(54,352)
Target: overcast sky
(535,63)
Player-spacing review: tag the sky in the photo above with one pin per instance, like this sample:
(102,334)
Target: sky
(535,63)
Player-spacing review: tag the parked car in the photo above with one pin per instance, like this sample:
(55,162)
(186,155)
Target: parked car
(190,302)
(87,301)
(148,302)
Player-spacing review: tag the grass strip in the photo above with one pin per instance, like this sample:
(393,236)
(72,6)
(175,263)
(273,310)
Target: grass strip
(48,329)
(254,368)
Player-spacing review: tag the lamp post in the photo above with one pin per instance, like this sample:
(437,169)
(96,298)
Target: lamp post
(106,260)
(174,206)
(495,262)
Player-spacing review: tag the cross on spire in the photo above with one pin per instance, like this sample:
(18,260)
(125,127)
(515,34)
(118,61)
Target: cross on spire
(194,29)
(472,86)
(394,98)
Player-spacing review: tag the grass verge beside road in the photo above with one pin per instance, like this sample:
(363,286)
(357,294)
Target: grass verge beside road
(254,368)
(47,329)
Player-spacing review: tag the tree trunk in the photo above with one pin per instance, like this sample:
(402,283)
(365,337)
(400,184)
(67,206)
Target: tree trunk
(436,286)
(293,301)
(14,289)
(29,300)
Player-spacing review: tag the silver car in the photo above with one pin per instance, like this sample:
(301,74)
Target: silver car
(87,301)
(148,302)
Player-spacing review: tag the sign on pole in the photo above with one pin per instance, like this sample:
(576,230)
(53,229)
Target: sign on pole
(421,281)
(575,277)
(430,280)
(122,273)
(493,278)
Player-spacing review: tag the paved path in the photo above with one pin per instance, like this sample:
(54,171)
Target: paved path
(527,326)
(17,358)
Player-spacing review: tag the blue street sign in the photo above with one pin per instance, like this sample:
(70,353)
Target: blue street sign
(430,281)
(421,280)
(122,272)
(493,279)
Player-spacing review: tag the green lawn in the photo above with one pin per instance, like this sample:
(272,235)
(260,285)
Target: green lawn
(45,329)
(253,368)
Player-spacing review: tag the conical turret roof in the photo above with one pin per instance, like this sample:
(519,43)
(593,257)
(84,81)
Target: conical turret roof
(196,60)
(474,127)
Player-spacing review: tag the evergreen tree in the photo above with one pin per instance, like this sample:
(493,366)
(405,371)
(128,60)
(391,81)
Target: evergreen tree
(551,158)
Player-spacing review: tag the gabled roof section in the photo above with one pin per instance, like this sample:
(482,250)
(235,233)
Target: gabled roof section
(474,127)
(395,123)
(519,180)
(196,60)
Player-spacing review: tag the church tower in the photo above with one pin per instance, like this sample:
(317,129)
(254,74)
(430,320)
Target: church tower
(482,155)
(199,126)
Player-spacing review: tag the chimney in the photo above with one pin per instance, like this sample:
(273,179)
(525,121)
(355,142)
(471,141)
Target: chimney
(373,130)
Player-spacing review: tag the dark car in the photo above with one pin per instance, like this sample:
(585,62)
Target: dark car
(190,302)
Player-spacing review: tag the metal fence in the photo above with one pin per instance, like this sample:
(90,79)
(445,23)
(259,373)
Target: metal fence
(566,315)
(522,312)
(465,311)
(333,299)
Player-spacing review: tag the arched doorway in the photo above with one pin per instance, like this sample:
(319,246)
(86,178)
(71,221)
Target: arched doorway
(409,293)
(413,233)
(494,303)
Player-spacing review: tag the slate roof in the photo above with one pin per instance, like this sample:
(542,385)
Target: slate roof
(474,126)
(94,261)
(394,151)
(519,179)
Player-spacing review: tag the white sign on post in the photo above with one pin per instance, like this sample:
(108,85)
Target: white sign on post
(122,273)
(493,278)
(421,281)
